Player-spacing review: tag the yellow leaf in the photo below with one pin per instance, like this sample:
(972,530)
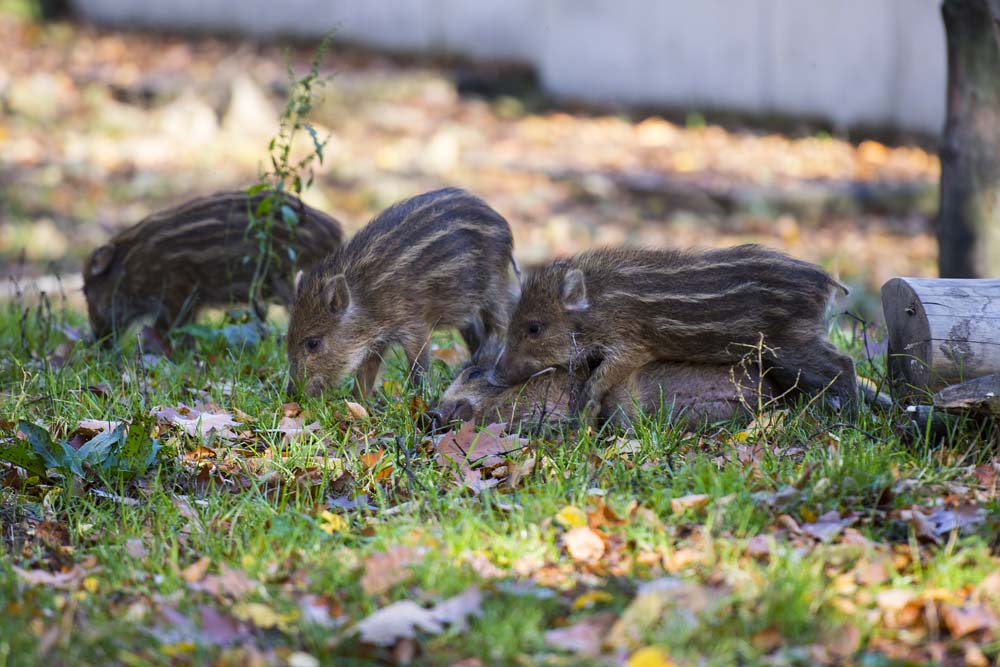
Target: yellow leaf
(259,614)
(571,517)
(651,656)
(90,584)
(808,515)
(177,648)
(739,436)
(591,598)
(331,523)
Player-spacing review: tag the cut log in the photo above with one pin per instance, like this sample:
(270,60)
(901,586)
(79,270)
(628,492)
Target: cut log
(941,332)
(979,395)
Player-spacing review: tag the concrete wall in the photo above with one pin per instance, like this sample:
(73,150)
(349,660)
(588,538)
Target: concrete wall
(872,62)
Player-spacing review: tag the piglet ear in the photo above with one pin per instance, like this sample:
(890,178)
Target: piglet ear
(337,294)
(100,260)
(574,290)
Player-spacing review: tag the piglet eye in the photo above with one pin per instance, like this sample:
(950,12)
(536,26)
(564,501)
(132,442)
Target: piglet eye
(312,344)
(535,328)
(475,373)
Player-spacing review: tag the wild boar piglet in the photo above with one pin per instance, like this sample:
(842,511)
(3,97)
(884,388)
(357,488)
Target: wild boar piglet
(615,310)
(176,261)
(437,260)
(692,393)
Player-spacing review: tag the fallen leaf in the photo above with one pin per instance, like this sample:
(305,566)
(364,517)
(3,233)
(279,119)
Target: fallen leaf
(196,422)
(303,659)
(468,452)
(257,613)
(356,410)
(98,425)
(291,409)
(199,453)
(584,637)
(571,517)
(331,523)
(843,641)
(68,579)
(402,620)
(219,629)
(452,356)
(196,570)
(373,461)
(651,656)
(229,583)
(518,471)
(387,569)
(965,620)
(591,598)
(826,527)
(135,548)
(584,544)
(456,611)
(693,501)
(397,621)
(293,429)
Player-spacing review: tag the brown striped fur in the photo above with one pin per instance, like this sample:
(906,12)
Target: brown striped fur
(619,309)
(693,394)
(437,260)
(178,260)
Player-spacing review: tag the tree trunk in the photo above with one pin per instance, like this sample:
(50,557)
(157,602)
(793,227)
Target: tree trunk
(969,218)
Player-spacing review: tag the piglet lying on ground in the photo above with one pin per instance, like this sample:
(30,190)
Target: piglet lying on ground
(693,393)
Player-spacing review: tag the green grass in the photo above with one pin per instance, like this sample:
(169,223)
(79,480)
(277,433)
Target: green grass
(266,523)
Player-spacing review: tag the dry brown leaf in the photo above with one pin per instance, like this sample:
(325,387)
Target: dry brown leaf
(196,570)
(387,569)
(293,429)
(468,451)
(135,548)
(197,422)
(767,640)
(843,641)
(826,527)
(692,501)
(449,355)
(98,425)
(965,620)
(69,579)
(583,638)
(518,471)
(584,545)
(194,524)
(230,582)
(356,410)
(291,409)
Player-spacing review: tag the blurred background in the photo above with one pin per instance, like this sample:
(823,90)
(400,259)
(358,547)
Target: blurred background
(810,127)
